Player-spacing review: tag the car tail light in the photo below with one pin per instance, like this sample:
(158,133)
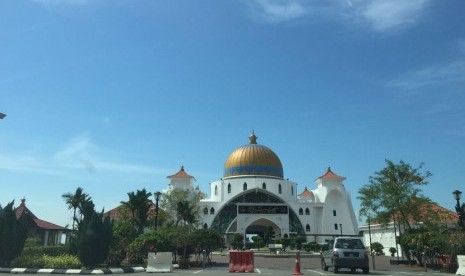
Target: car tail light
(336,254)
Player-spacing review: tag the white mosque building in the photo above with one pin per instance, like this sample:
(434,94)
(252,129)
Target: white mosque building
(253,195)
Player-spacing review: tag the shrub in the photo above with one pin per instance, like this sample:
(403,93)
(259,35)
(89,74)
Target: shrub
(28,261)
(61,262)
(237,241)
(13,234)
(393,251)
(45,250)
(32,241)
(95,234)
(312,246)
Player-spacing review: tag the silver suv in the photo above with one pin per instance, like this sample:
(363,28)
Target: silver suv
(345,252)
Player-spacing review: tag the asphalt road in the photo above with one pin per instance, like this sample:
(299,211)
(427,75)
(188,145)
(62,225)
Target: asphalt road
(308,266)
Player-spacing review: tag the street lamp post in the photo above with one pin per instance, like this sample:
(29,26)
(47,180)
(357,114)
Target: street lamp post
(340,226)
(459,209)
(157,198)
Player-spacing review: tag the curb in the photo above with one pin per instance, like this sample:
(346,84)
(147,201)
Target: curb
(73,271)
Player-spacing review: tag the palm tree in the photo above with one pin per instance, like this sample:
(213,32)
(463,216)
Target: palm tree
(186,213)
(139,205)
(75,201)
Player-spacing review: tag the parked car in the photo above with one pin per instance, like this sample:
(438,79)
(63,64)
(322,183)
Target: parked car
(345,252)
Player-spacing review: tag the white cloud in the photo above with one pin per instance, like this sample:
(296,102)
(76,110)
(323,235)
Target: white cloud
(25,163)
(384,15)
(379,15)
(77,155)
(278,10)
(431,75)
(61,2)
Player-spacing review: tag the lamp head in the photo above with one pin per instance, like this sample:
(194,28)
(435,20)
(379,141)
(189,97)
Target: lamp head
(157,195)
(457,194)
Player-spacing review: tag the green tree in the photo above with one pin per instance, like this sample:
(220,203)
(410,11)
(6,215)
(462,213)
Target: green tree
(268,235)
(183,240)
(394,190)
(139,205)
(377,248)
(205,241)
(237,241)
(13,234)
(258,242)
(285,242)
(94,236)
(186,213)
(75,201)
(297,241)
(124,234)
(170,204)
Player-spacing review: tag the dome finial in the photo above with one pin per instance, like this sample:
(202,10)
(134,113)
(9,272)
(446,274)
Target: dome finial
(252,138)
(182,167)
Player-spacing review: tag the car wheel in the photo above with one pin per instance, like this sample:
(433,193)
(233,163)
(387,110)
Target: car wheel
(366,270)
(323,265)
(336,269)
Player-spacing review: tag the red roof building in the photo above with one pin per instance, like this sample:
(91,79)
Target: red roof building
(47,232)
(329,175)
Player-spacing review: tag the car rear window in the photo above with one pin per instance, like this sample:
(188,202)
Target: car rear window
(349,244)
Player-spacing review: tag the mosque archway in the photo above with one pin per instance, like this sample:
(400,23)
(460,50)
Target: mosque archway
(225,219)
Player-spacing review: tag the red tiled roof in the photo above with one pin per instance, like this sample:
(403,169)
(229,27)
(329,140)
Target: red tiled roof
(306,193)
(180,174)
(116,212)
(47,225)
(330,175)
(42,224)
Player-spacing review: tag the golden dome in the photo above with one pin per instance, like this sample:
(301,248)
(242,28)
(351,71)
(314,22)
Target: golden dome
(253,159)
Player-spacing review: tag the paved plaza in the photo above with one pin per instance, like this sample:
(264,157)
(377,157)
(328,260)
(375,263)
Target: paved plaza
(310,265)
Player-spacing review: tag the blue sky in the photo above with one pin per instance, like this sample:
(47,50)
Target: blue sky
(114,95)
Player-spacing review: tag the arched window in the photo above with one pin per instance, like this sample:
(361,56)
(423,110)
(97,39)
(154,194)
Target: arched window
(245,186)
(307,228)
(264,186)
(229,188)
(307,212)
(205,226)
(301,212)
(212,211)
(205,211)
(286,236)
(292,190)
(216,190)
(280,189)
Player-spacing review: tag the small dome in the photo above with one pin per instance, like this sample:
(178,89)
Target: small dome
(253,159)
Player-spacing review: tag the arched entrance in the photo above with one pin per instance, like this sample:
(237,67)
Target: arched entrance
(264,228)
(257,209)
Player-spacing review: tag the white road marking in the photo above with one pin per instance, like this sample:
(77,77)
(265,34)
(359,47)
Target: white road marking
(258,270)
(316,271)
(198,271)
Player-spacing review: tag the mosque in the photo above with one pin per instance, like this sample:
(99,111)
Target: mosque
(253,195)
